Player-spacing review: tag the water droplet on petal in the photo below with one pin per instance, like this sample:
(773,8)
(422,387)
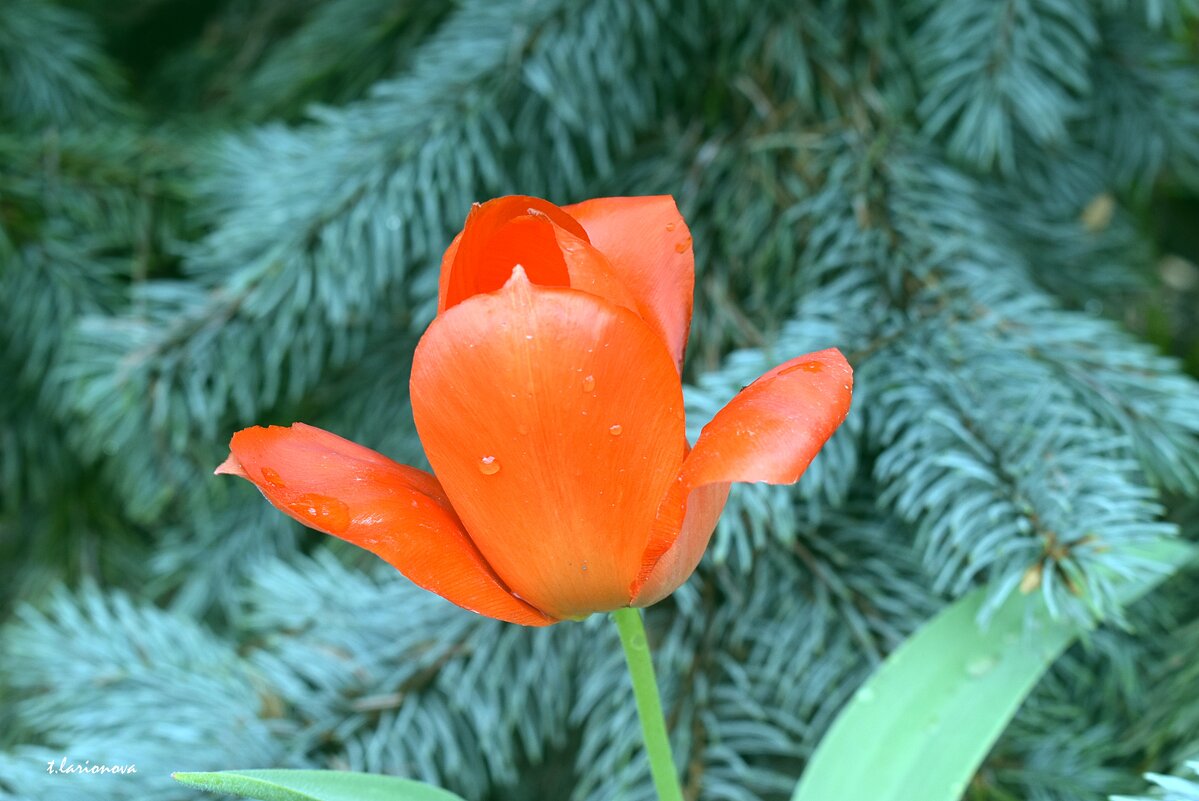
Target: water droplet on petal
(670,226)
(807,367)
(682,246)
(321,511)
(522,429)
(584,567)
(615,430)
(272,477)
(488,466)
(589,383)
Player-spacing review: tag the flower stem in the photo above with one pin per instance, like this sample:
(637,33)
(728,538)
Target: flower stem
(649,704)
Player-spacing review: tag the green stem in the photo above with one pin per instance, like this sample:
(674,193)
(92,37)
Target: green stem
(649,704)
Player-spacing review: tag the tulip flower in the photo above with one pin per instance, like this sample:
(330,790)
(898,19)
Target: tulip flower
(548,399)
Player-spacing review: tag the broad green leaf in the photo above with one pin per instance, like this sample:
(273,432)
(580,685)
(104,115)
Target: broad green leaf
(924,721)
(314,785)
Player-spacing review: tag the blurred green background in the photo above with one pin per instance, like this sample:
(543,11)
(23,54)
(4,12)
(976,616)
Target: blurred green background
(218,214)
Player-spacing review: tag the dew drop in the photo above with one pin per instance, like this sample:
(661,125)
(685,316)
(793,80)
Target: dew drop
(682,246)
(670,226)
(981,666)
(807,367)
(584,567)
(522,429)
(589,383)
(321,511)
(272,477)
(488,466)
(615,430)
(865,695)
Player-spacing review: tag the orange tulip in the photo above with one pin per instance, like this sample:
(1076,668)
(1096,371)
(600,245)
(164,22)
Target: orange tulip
(547,396)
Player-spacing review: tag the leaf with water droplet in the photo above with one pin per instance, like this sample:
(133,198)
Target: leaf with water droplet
(967,678)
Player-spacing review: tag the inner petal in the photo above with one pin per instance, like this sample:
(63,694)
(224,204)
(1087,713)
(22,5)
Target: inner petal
(526,241)
(500,234)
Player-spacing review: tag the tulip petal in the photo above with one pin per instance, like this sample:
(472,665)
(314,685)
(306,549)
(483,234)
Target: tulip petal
(649,247)
(769,432)
(591,272)
(704,505)
(554,420)
(498,235)
(510,232)
(394,511)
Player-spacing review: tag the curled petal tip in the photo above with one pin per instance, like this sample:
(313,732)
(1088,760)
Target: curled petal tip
(230,467)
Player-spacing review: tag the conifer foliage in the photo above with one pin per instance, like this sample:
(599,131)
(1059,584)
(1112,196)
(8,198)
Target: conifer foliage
(216,215)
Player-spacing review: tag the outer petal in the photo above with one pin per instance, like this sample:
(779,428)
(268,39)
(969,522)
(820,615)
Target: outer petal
(704,506)
(769,432)
(554,420)
(649,247)
(498,235)
(394,511)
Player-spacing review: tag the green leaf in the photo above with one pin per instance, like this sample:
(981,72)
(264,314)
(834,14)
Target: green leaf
(314,785)
(921,725)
